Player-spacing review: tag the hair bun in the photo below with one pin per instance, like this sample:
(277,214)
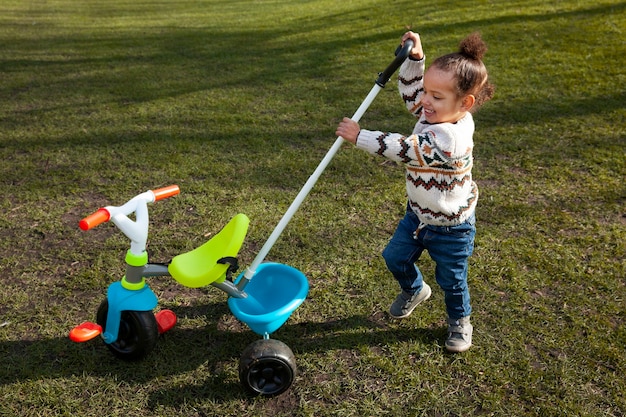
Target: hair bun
(473,46)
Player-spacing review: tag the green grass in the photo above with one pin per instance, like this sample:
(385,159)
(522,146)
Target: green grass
(237,102)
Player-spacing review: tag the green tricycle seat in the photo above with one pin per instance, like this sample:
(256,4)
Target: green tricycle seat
(200,267)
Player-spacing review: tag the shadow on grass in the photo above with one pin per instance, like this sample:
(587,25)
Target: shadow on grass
(206,352)
(107,69)
(342,334)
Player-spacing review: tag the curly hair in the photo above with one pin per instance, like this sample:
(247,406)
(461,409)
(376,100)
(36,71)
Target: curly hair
(469,69)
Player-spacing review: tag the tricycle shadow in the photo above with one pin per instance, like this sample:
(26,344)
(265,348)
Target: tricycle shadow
(182,350)
(210,353)
(306,337)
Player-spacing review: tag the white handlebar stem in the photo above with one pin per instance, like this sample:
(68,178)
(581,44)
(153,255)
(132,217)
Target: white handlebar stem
(137,230)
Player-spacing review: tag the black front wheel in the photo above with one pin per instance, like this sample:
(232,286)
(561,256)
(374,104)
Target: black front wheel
(137,335)
(267,367)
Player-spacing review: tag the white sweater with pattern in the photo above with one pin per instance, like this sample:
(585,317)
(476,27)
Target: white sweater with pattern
(437,157)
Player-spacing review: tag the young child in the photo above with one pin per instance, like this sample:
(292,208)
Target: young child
(441,193)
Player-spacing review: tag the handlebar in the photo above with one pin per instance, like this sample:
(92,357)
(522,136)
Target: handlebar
(402,53)
(103,215)
(165,192)
(94,219)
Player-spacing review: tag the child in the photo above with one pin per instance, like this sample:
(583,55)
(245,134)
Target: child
(441,194)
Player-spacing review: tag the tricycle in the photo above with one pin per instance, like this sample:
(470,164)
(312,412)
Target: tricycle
(125,318)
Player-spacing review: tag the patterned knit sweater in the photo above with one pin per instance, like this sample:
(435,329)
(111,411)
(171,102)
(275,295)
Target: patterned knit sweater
(437,157)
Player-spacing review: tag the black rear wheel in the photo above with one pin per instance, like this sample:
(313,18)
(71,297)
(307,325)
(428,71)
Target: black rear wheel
(137,335)
(267,367)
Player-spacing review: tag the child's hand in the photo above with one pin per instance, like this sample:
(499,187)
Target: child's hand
(416,52)
(348,129)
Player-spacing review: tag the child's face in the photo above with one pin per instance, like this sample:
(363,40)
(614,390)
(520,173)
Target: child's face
(440,101)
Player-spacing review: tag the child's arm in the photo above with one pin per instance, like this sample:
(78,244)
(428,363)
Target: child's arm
(349,129)
(411,76)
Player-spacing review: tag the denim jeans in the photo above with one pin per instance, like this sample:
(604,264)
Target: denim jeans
(449,246)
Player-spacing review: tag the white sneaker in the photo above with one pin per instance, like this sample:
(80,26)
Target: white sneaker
(405,303)
(459,335)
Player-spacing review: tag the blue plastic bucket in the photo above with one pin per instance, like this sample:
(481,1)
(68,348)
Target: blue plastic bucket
(274,292)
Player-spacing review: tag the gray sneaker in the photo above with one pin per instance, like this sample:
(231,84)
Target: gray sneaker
(405,303)
(459,335)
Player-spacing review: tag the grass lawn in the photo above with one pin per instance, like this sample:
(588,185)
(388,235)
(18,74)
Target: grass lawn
(237,102)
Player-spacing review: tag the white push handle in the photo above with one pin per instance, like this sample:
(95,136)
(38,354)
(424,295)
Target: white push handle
(308,186)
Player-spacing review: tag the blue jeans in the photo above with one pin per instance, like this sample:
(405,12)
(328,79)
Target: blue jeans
(449,246)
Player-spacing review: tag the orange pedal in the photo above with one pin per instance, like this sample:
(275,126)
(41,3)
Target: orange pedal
(85,331)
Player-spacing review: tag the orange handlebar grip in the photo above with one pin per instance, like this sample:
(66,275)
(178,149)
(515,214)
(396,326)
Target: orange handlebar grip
(165,192)
(91,221)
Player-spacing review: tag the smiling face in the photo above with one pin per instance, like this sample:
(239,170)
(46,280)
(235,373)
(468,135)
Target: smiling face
(440,100)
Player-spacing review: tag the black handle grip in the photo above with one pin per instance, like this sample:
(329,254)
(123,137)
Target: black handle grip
(402,53)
